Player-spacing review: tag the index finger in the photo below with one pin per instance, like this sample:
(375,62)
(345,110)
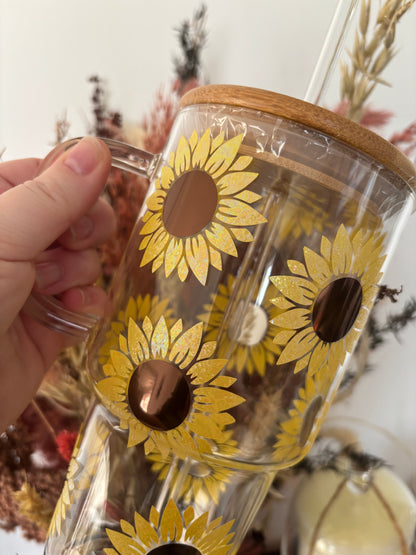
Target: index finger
(17,171)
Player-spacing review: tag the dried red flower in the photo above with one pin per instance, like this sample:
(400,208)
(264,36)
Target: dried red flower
(65,441)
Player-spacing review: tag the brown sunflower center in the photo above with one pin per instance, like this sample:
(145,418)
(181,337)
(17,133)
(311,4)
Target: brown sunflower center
(175,549)
(309,419)
(200,470)
(336,308)
(190,203)
(159,395)
(251,326)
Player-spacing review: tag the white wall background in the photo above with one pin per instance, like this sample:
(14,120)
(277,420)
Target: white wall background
(49,48)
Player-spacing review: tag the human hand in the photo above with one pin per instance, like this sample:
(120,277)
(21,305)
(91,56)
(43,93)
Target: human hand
(59,209)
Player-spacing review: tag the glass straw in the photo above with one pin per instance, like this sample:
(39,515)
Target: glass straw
(330,51)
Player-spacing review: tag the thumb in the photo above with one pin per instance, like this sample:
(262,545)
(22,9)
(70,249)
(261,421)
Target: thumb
(35,213)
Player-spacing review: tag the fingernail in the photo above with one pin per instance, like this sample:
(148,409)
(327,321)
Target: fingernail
(47,273)
(83,157)
(83,228)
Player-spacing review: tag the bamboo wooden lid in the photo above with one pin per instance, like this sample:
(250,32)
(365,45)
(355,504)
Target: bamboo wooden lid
(310,115)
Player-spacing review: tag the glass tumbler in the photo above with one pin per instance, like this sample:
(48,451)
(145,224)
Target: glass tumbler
(244,288)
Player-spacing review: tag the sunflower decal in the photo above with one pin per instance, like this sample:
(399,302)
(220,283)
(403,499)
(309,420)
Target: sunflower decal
(137,308)
(200,207)
(167,390)
(204,480)
(326,301)
(297,432)
(171,532)
(305,210)
(250,333)
(78,478)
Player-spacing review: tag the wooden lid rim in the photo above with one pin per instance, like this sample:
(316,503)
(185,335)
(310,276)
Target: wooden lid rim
(313,116)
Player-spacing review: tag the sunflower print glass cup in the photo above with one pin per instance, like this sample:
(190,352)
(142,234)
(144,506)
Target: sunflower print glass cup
(248,278)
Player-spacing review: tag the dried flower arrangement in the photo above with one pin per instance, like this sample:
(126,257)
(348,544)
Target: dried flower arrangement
(43,437)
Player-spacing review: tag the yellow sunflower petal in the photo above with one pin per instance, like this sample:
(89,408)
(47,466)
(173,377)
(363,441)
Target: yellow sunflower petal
(137,433)
(109,370)
(222,419)
(173,254)
(302,363)
(293,425)
(152,224)
(193,139)
(122,341)
(357,241)
(145,530)
(242,234)
(157,262)
(188,515)
(166,176)
(208,399)
(241,163)
(368,260)
(154,517)
(341,252)
(318,267)
(248,196)
(155,201)
(326,248)
(223,381)
(282,303)
(183,269)
(138,344)
(294,318)
(223,156)
(219,236)
(121,364)
(201,152)
(182,157)
(206,370)
(150,445)
(336,356)
(282,337)
(215,258)
(217,535)
(196,529)
(156,244)
(175,330)
(144,242)
(318,357)
(298,346)
(160,339)
(362,317)
(196,251)
(131,311)
(350,339)
(207,350)
(161,441)
(297,268)
(184,350)
(237,213)
(144,306)
(372,275)
(147,327)
(233,183)
(124,544)
(127,528)
(181,442)
(203,425)
(296,289)
(259,358)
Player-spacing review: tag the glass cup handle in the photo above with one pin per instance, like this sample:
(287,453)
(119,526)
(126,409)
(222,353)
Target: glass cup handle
(48,310)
